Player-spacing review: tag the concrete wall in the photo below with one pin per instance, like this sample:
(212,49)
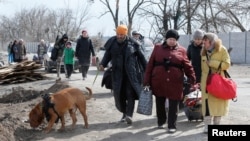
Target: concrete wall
(239,41)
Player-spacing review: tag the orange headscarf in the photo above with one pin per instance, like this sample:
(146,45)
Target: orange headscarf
(122,29)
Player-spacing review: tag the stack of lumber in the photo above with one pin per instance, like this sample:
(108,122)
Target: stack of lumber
(25,71)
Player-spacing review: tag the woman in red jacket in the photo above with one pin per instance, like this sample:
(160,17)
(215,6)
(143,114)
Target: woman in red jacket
(164,74)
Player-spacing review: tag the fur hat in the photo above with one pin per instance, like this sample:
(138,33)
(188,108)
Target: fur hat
(122,29)
(211,37)
(172,34)
(198,34)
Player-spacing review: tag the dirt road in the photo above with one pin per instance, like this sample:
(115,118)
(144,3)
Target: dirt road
(103,116)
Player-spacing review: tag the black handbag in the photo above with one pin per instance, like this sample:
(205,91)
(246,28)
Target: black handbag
(145,103)
(107,79)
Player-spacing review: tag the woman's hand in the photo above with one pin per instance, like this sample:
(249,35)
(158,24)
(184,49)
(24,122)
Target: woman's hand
(101,68)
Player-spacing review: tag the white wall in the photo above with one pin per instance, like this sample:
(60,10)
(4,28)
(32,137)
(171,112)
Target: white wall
(239,41)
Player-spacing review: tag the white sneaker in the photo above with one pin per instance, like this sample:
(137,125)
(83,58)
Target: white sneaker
(205,129)
(171,130)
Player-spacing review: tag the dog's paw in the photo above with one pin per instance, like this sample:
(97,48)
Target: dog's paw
(61,130)
(86,126)
(46,131)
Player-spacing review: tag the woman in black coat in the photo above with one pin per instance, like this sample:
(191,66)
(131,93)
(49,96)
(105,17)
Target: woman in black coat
(84,49)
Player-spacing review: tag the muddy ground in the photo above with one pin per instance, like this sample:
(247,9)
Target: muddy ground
(15,107)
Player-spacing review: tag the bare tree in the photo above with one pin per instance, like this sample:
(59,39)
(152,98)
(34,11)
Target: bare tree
(167,14)
(41,22)
(235,13)
(131,11)
(223,16)
(191,10)
(114,13)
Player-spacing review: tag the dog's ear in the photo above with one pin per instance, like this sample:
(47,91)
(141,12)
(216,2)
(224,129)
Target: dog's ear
(36,117)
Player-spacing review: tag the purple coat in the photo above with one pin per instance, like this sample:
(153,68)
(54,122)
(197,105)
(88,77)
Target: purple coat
(168,82)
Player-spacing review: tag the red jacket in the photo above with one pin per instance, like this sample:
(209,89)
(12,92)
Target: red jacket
(167,80)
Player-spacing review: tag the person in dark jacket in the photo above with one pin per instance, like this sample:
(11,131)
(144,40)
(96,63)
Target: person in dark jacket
(20,51)
(164,74)
(194,53)
(137,36)
(14,49)
(84,50)
(57,53)
(128,65)
(10,53)
(41,50)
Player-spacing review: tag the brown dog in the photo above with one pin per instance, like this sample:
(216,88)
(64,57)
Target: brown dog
(54,106)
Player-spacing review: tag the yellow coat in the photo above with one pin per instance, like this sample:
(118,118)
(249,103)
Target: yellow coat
(217,107)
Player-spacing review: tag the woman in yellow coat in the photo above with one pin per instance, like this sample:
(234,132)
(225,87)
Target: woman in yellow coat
(213,54)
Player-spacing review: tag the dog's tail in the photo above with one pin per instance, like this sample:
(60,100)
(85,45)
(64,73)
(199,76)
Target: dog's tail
(90,93)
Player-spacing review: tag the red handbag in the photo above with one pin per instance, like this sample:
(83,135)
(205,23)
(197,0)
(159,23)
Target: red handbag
(221,87)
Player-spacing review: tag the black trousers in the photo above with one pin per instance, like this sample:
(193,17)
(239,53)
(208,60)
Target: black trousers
(128,96)
(69,69)
(84,70)
(172,112)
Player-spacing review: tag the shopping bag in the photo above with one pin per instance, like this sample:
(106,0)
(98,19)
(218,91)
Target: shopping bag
(145,103)
(221,87)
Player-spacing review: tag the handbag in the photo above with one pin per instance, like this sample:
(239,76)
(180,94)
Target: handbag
(221,87)
(107,78)
(145,103)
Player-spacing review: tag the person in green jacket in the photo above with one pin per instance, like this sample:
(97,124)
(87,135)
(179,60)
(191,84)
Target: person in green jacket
(68,59)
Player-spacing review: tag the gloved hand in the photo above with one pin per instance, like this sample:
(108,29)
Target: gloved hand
(191,81)
(195,87)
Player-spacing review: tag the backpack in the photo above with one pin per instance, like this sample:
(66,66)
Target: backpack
(54,54)
(54,51)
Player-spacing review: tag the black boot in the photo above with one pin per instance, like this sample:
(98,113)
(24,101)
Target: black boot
(123,118)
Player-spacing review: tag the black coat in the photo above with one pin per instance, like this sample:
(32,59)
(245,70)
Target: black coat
(84,49)
(134,65)
(194,55)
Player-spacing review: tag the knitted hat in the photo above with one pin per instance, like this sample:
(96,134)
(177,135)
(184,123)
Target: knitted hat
(68,43)
(65,36)
(84,31)
(135,33)
(198,34)
(172,34)
(122,29)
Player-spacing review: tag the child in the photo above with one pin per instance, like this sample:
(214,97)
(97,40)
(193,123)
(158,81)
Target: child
(194,51)
(68,59)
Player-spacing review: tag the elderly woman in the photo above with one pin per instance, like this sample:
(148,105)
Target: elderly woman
(213,54)
(165,74)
